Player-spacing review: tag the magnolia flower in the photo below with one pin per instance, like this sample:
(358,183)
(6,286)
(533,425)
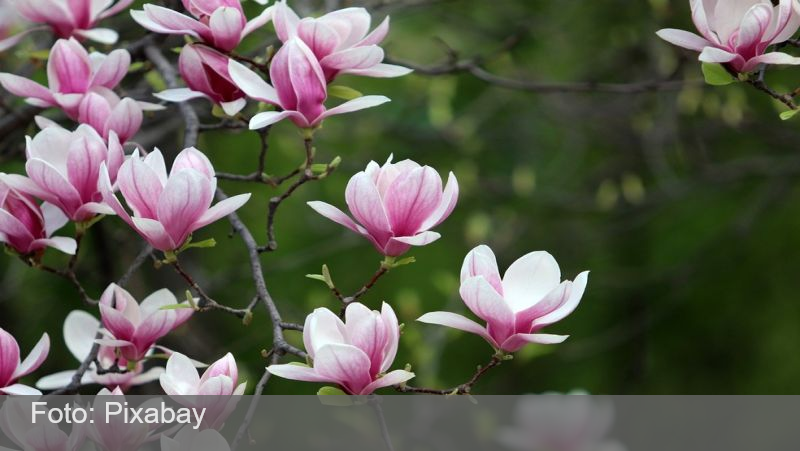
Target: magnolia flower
(218,23)
(71,73)
(134,328)
(116,433)
(63,168)
(16,422)
(561,422)
(355,354)
(80,333)
(10,367)
(395,205)
(168,209)
(527,298)
(108,114)
(738,33)
(339,40)
(217,391)
(8,19)
(300,89)
(27,228)
(190,439)
(68,18)
(205,72)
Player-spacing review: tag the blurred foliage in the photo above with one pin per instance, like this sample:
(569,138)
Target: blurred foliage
(682,203)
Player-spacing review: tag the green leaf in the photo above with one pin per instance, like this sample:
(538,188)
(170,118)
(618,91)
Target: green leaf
(211,242)
(319,277)
(41,55)
(716,75)
(136,66)
(155,80)
(786,115)
(175,306)
(332,396)
(344,92)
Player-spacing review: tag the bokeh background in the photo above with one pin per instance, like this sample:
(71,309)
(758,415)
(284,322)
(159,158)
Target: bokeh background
(682,201)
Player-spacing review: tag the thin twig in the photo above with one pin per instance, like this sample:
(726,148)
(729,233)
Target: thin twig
(463,389)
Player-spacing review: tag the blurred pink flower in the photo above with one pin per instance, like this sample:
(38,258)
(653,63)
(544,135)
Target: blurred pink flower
(80,335)
(116,433)
(339,40)
(168,209)
(17,423)
(134,328)
(218,23)
(63,169)
(529,297)
(738,33)
(72,73)
(355,354)
(298,88)
(395,205)
(217,391)
(68,18)
(11,369)
(205,72)
(26,227)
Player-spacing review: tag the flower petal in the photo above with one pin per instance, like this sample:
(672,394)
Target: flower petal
(459,322)
(683,39)
(529,279)
(35,359)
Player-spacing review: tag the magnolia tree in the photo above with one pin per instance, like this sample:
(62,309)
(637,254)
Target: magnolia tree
(84,165)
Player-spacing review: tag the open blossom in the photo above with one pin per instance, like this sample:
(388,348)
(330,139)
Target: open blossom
(115,432)
(134,328)
(26,227)
(340,40)
(11,369)
(63,168)
(71,73)
(218,23)
(217,391)
(395,205)
(527,298)
(738,33)
(298,87)
(68,18)
(80,333)
(205,72)
(18,425)
(168,209)
(355,354)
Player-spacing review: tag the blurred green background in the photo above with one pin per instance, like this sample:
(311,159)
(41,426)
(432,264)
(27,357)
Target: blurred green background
(682,203)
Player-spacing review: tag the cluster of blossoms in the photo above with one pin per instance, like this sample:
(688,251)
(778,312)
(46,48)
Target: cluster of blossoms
(84,174)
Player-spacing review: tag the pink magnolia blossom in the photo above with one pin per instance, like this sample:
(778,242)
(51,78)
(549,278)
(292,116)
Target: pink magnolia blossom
(218,23)
(168,209)
(68,18)
(355,354)
(527,298)
(115,433)
(71,73)
(80,335)
(63,169)
(11,369)
(738,33)
(27,228)
(108,114)
(16,422)
(134,328)
(298,87)
(217,391)
(395,205)
(205,72)
(340,40)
